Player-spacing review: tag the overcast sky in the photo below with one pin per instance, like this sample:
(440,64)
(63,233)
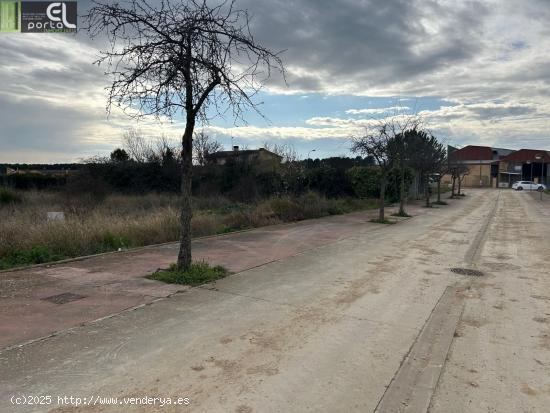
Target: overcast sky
(477,71)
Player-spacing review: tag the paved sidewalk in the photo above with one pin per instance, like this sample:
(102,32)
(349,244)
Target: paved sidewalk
(100,286)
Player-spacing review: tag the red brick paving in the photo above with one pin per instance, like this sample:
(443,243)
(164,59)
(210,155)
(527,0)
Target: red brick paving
(114,282)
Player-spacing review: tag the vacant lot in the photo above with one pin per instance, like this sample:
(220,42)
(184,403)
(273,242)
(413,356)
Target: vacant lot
(94,225)
(373,321)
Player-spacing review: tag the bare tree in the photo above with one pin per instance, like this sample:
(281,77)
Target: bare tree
(166,150)
(377,143)
(137,146)
(292,170)
(181,57)
(285,150)
(203,146)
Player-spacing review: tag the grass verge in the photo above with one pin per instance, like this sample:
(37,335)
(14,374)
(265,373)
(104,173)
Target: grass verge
(199,273)
(383,221)
(27,237)
(36,255)
(401,214)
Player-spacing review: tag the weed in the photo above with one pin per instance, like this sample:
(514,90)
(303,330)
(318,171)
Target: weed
(401,214)
(383,221)
(35,255)
(198,273)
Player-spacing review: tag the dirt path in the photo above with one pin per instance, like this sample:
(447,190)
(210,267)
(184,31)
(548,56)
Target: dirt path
(500,358)
(337,328)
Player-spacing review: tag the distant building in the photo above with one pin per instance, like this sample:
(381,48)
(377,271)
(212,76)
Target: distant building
(47,172)
(524,165)
(499,167)
(252,156)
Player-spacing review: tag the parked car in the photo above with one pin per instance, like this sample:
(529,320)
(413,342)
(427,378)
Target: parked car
(528,185)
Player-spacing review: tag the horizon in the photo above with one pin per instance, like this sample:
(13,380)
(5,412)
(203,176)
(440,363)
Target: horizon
(350,155)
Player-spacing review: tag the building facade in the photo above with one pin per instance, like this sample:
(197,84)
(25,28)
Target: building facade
(498,167)
(261,158)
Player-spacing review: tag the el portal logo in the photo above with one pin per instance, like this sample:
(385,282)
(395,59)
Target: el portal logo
(38,16)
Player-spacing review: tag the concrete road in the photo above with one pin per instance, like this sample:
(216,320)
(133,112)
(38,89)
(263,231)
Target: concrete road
(372,322)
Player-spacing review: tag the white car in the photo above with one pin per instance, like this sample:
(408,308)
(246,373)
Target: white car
(528,185)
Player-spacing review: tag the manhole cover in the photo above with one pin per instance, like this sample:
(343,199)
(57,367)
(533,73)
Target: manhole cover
(467,271)
(64,298)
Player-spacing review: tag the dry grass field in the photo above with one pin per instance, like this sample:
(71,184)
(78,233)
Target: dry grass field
(94,225)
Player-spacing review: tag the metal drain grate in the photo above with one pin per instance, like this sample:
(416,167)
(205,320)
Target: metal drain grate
(64,298)
(467,271)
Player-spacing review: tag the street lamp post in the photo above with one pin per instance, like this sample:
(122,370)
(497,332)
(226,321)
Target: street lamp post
(538,157)
(308,158)
(531,175)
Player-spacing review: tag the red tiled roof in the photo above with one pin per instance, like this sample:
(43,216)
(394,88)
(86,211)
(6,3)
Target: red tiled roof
(472,153)
(524,155)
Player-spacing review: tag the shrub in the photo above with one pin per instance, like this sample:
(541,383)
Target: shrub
(112,242)
(329,181)
(365,181)
(36,255)
(8,197)
(286,209)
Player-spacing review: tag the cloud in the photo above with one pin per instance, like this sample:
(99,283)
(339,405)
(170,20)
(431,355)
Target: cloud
(378,111)
(486,59)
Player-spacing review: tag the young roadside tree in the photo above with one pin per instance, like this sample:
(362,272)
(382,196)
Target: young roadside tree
(403,129)
(438,157)
(427,154)
(377,144)
(458,172)
(440,169)
(180,57)
(462,172)
(203,146)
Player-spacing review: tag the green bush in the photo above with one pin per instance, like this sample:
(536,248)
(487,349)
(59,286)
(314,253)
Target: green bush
(8,197)
(112,242)
(365,181)
(199,273)
(36,255)
(329,181)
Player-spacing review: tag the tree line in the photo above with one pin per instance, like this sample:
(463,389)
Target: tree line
(402,143)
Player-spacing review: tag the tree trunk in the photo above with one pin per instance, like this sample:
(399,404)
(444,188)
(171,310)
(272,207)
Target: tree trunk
(439,191)
(453,187)
(459,185)
(381,215)
(184,255)
(427,191)
(402,192)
